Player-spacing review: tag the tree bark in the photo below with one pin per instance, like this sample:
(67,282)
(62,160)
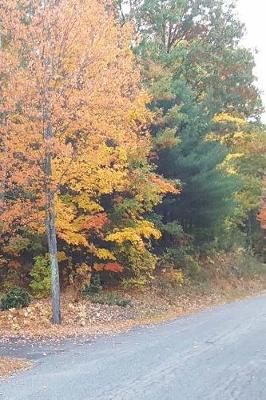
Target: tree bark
(51,229)
(3,166)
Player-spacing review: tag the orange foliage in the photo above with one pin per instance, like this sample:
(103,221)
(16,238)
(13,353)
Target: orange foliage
(96,222)
(70,69)
(113,267)
(164,185)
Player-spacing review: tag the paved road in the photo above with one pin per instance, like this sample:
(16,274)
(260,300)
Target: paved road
(218,354)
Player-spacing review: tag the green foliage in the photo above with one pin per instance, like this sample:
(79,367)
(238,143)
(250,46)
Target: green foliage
(247,265)
(15,298)
(140,265)
(110,299)
(41,277)
(137,283)
(207,195)
(180,258)
(94,287)
(194,67)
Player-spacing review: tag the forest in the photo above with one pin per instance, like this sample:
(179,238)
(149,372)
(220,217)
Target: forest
(132,144)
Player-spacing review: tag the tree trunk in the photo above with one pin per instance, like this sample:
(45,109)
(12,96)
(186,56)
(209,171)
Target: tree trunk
(51,230)
(52,246)
(3,166)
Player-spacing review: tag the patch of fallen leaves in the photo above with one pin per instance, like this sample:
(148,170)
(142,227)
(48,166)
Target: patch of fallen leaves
(84,318)
(9,366)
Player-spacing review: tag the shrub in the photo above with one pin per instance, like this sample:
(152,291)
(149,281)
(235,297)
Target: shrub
(41,277)
(94,287)
(169,281)
(139,266)
(137,283)
(193,267)
(82,280)
(15,298)
(247,265)
(181,259)
(111,299)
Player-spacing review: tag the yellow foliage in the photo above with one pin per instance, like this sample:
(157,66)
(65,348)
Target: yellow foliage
(87,204)
(61,256)
(104,254)
(228,164)
(174,277)
(136,234)
(67,227)
(229,118)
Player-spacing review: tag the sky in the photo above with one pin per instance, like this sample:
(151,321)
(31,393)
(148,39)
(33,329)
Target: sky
(252,13)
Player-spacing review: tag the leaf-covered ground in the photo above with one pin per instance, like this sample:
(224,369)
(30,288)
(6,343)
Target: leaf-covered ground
(84,318)
(9,366)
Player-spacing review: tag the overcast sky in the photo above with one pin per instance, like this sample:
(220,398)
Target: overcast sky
(253,14)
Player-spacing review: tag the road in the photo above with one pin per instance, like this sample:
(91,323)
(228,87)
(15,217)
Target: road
(218,354)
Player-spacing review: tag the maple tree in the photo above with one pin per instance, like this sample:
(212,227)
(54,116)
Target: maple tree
(79,131)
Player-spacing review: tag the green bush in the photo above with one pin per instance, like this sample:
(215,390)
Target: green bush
(41,277)
(110,298)
(139,264)
(181,259)
(94,287)
(135,283)
(193,267)
(15,298)
(247,265)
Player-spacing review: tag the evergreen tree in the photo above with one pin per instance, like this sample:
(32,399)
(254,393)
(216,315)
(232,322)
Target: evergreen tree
(195,68)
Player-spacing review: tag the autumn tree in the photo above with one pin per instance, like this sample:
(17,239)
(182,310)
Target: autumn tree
(76,127)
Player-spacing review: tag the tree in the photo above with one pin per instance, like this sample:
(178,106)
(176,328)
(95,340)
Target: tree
(195,69)
(79,134)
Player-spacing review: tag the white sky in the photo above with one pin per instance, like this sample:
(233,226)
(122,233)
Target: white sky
(253,14)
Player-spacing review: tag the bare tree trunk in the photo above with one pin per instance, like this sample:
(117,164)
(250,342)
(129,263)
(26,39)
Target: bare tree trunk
(51,229)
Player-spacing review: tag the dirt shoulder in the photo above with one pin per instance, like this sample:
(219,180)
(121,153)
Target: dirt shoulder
(87,319)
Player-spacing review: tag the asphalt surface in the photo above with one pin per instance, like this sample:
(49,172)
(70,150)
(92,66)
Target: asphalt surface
(217,354)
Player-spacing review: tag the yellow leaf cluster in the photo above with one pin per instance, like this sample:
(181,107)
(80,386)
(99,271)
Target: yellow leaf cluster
(104,254)
(135,235)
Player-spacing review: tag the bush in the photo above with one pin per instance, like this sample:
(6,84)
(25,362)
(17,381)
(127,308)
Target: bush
(247,265)
(15,298)
(94,287)
(135,283)
(110,298)
(169,282)
(139,264)
(41,277)
(193,267)
(181,259)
